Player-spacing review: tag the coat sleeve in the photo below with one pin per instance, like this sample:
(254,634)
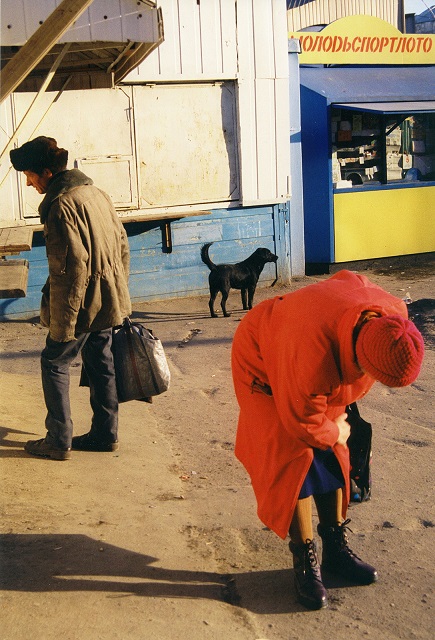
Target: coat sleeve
(125,251)
(67,263)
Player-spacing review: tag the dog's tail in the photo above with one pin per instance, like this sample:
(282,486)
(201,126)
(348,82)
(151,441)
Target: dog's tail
(205,257)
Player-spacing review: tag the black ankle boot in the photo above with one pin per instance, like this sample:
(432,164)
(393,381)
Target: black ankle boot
(339,559)
(308,580)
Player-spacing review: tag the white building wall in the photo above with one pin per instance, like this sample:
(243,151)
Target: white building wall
(244,40)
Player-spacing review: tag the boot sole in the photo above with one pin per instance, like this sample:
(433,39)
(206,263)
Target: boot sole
(313,606)
(97,448)
(55,455)
(351,579)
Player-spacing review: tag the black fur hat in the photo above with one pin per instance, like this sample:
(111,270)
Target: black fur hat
(39,154)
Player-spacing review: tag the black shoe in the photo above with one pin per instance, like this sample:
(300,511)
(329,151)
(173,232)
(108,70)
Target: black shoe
(44,449)
(308,579)
(337,558)
(87,442)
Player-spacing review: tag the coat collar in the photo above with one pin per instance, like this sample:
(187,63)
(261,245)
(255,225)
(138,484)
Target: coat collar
(61,183)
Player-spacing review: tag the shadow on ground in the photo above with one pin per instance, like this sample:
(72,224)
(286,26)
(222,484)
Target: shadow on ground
(75,562)
(422,313)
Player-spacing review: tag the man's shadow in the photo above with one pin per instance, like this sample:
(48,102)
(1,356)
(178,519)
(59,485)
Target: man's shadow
(75,562)
(13,448)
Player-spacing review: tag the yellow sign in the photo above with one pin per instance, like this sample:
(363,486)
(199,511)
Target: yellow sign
(364,40)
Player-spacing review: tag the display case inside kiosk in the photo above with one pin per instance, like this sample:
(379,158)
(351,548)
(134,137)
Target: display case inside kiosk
(382,148)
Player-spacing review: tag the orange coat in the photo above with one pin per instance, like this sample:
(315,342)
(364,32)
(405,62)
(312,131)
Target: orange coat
(301,345)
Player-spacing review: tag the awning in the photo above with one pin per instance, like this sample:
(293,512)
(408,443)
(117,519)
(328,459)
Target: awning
(389,107)
(373,85)
(89,43)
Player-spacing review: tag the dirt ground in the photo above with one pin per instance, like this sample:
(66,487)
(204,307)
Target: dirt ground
(160,540)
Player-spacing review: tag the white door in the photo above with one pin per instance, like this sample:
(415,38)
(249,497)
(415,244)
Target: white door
(186,144)
(97,130)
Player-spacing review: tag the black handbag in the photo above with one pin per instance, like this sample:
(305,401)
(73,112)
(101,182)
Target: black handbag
(141,368)
(360,453)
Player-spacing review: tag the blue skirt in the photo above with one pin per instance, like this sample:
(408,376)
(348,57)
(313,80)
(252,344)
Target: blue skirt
(324,474)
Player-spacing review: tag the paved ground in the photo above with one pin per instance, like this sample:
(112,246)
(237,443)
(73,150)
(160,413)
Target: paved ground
(160,540)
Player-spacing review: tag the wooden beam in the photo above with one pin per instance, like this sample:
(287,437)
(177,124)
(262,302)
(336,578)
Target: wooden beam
(39,44)
(13,278)
(15,239)
(74,47)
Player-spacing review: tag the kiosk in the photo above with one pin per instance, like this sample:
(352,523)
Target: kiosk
(368,142)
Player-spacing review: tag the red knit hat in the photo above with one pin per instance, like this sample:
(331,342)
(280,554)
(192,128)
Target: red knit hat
(390,349)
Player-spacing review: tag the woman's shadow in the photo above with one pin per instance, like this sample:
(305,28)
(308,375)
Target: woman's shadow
(75,562)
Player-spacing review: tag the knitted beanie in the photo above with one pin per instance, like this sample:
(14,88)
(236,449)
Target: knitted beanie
(390,349)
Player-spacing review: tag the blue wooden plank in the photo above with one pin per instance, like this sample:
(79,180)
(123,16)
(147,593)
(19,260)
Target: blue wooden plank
(184,256)
(189,282)
(225,229)
(236,233)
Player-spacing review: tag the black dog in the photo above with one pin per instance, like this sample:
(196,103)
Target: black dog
(242,275)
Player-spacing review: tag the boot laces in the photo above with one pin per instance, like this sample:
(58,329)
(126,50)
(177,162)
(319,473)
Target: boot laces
(343,540)
(311,552)
(312,568)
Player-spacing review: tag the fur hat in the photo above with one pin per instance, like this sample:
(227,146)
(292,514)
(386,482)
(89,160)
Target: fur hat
(390,349)
(39,154)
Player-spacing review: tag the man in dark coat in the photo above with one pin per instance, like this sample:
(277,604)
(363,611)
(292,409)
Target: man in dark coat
(86,294)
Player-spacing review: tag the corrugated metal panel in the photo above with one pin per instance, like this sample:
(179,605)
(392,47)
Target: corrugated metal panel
(356,84)
(263,108)
(322,12)
(391,107)
(200,43)
(263,39)
(190,39)
(266,138)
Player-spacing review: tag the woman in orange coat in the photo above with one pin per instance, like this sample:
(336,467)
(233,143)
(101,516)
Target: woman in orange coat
(297,361)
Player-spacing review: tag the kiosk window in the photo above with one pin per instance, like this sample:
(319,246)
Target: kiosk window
(370,148)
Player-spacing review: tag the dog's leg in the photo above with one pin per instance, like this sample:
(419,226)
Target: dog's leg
(224,304)
(213,294)
(211,306)
(244,293)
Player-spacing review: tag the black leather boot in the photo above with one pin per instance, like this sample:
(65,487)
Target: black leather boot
(308,579)
(337,558)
